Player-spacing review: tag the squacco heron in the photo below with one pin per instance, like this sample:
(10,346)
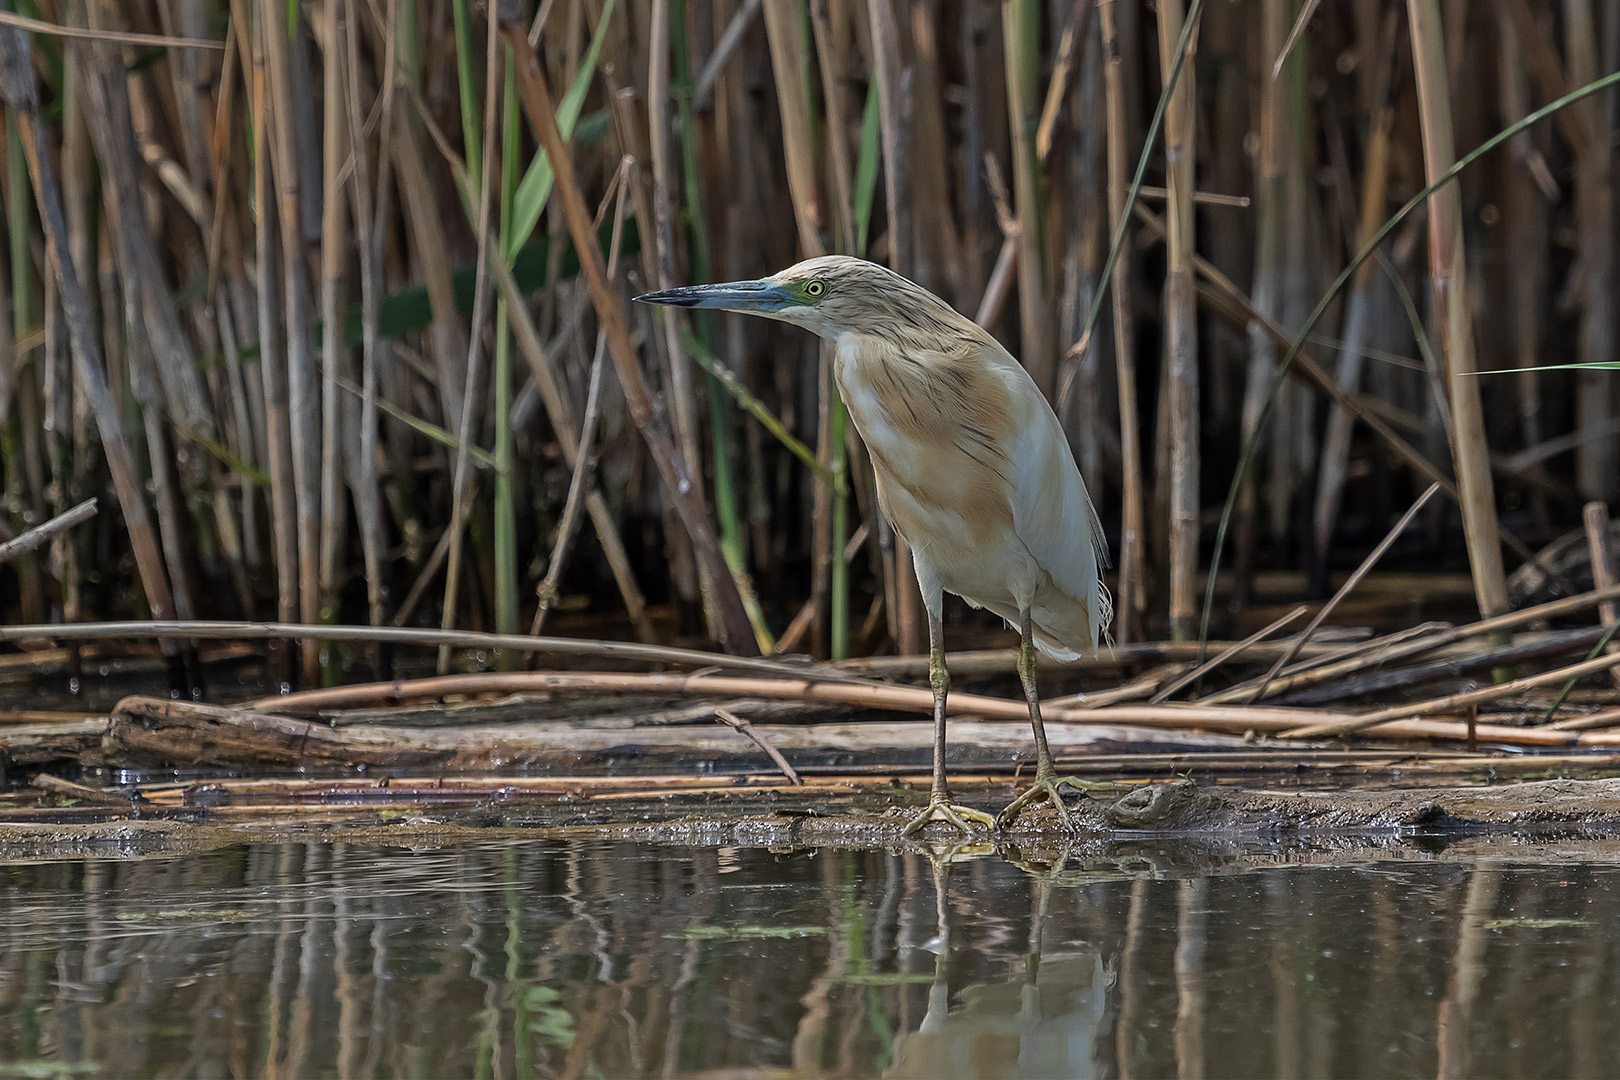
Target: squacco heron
(973,470)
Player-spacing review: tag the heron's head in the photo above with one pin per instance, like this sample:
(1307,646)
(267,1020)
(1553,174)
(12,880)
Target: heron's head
(830,295)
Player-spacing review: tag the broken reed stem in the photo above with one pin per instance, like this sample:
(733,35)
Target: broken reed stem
(172,630)
(1230,651)
(1347,588)
(1595,518)
(1423,643)
(743,727)
(1454,701)
(1564,691)
(42,534)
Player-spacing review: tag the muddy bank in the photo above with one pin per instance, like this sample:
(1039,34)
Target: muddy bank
(862,815)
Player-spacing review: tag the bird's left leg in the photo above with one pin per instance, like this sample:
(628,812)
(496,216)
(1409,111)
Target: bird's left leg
(940,807)
(1048,784)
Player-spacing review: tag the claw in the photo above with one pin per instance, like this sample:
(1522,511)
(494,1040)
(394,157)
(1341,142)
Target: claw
(1050,788)
(942,809)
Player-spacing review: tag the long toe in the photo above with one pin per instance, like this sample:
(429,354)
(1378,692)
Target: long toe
(952,814)
(1045,789)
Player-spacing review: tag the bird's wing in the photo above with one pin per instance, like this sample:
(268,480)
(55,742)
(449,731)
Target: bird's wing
(1052,512)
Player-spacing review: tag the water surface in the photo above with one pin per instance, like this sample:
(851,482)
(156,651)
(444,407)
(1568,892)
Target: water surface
(596,959)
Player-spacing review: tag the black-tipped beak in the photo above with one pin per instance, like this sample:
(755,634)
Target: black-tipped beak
(746,296)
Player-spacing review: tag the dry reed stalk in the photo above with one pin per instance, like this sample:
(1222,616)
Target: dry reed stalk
(902,698)
(559,411)
(790,66)
(1591,722)
(615,651)
(47,531)
(1260,720)
(743,727)
(725,50)
(1595,517)
(272,366)
(369,219)
(1020,29)
(1181,338)
(335,242)
(1191,677)
(1418,643)
(1078,205)
(1335,456)
(1219,290)
(18,88)
(1266,293)
(1138,689)
(1529,187)
(585,447)
(1448,664)
(1448,283)
(289,150)
(937,247)
(1344,590)
(64,408)
(734,630)
(448,339)
(1132,588)
(1293,427)
(829,570)
(463,489)
(1455,701)
(904,600)
(162,377)
(664,202)
(1074,29)
(1596,460)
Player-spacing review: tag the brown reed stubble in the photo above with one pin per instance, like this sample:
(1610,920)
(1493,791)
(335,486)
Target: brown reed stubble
(393,219)
(1181,332)
(1448,283)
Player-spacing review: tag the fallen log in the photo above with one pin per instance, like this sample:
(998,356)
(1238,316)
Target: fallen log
(40,744)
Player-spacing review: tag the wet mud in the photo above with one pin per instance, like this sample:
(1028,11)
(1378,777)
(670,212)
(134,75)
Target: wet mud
(1210,817)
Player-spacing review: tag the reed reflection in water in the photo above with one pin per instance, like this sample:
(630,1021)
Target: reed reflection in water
(610,960)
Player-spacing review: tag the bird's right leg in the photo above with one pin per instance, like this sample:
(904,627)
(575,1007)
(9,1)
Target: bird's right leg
(940,806)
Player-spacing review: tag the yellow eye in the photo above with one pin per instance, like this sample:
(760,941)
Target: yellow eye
(815,289)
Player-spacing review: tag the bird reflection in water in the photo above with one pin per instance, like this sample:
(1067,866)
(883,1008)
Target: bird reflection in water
(1049,1022)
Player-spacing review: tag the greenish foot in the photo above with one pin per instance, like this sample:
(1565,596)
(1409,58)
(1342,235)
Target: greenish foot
(940,808)
(1050,789)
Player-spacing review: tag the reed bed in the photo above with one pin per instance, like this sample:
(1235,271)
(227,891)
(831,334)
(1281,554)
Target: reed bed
(327,303)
